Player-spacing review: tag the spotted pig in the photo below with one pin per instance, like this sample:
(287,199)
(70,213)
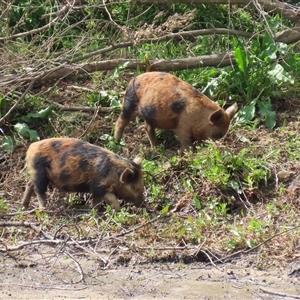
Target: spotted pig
(167,102)
(73,165)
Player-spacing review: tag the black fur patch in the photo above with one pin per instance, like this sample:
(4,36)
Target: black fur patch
(41,180)
(130,101)
(64,176)
(149,112)
(178,106)
(98,190)
(83,164)
(63,158)
(103,167)
(79,188)
(85,150)
(56,145)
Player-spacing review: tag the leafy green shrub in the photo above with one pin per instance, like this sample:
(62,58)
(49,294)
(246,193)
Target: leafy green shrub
(260,72)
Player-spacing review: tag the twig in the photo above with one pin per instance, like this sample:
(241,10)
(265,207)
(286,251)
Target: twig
(90,124)
(43,286)
(17,223)
(18,101)
(19,212)
(86,108)
(109,15)
(167,248)
(280,294)
(78,267)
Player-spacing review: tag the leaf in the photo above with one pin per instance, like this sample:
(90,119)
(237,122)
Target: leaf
(196,202)
(279,75)
(266,110)
(42,115)
(119,68)
(248,112)
(241,59)
(24,130)
(164,210)
(7,144)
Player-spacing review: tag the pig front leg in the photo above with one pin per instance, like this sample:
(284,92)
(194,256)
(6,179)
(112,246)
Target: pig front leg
(119,128)
(109,199)
(186,140)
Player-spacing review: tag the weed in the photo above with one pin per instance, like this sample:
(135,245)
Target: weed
(4,207)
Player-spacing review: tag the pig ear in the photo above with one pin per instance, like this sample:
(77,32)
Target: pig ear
(216,116)
(126,175)
(138,160)
(231,110)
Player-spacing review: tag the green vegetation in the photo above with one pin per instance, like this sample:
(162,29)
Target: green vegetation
(226,196)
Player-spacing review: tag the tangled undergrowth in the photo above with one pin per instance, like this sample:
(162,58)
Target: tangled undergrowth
(227,200)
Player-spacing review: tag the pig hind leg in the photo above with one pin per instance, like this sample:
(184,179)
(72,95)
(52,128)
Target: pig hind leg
(41,182)
(151,134)
(27,195)
(129,111)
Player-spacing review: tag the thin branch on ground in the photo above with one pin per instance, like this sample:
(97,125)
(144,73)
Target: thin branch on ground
(284,295)
(78,267)
(91,122)
(17,102)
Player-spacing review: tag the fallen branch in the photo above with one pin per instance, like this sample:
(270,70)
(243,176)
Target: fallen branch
(86,108)
(170,36)
(213,60)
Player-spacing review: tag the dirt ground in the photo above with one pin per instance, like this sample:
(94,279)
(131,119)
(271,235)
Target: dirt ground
(40,276)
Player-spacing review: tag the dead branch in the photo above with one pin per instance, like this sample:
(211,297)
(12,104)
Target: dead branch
(17,224)
(91,122)
(63,12)
(215,60)
(86,108)
(179,35)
